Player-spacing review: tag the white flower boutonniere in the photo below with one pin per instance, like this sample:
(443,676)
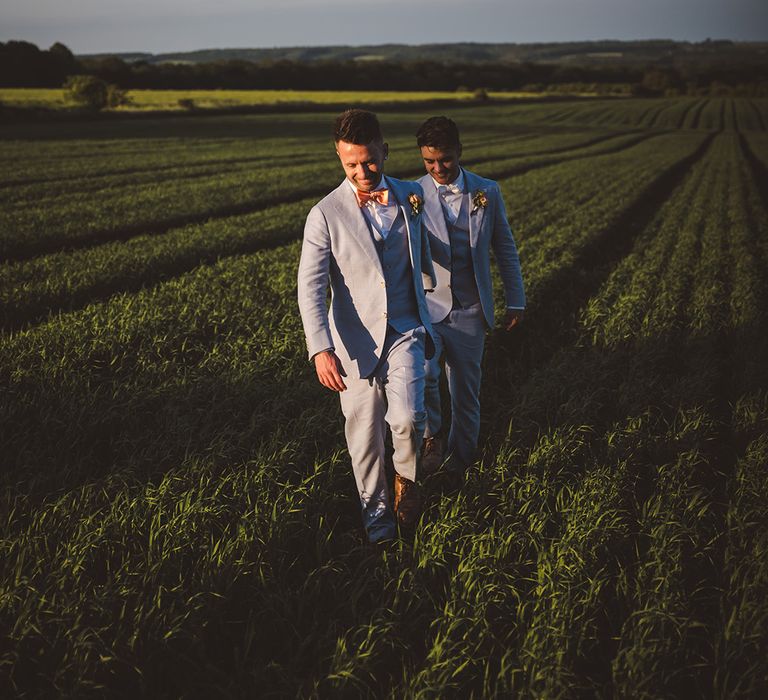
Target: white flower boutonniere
(416,203)
(479,201)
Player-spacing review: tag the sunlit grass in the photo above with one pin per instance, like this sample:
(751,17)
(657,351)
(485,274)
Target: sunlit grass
(211,99)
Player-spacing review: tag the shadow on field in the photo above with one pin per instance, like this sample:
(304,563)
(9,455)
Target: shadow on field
(90,182)
(41,123)
(552,313)
(609,149)
(759,169)
(62,435)
(173,126)
(125,233)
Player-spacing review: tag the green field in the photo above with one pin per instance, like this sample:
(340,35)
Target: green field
(164,100)
(178,514)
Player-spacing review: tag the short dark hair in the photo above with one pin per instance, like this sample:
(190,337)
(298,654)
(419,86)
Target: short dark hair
(357,126)
(438,132)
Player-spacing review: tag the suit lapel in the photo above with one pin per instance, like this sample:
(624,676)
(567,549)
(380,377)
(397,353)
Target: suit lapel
(353,220)
(433,210)
(477,216)
(401,199)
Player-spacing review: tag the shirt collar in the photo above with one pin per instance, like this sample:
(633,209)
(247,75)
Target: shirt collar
(383,185)
(459,181)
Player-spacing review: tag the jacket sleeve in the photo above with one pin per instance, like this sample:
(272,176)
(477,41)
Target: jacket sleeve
(313,283)
(505,249)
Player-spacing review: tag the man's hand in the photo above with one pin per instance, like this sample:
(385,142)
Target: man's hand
(512,318)
(329,370)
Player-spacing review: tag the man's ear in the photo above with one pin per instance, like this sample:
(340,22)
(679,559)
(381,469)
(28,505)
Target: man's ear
(386,150)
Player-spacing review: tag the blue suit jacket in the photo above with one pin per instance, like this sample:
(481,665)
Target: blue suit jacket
(488,229)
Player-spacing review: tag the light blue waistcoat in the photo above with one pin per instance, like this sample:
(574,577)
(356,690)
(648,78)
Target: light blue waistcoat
(463,282)
(402,310)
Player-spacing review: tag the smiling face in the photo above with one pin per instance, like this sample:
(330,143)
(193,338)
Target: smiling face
(363,165)
(442,163)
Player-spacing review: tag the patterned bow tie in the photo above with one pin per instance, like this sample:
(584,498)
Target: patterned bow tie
(452,189)
(378,196)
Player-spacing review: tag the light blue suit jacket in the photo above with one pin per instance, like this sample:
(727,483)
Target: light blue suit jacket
(488,229)
(339,249)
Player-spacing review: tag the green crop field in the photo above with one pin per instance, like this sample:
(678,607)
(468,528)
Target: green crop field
(143,100)
(178,516)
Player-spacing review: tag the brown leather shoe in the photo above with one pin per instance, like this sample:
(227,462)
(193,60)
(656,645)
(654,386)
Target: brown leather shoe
(431,455)
(407,502)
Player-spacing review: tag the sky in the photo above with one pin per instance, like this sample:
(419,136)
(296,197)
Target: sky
(158,26)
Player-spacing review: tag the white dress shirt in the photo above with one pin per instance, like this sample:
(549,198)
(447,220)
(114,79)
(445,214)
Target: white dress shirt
(450,197)
(379,216)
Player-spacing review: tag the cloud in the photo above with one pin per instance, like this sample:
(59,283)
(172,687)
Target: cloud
(177,25)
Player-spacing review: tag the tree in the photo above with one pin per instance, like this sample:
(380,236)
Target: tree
(93,93)
(657,81)
(86,91)
(117,96)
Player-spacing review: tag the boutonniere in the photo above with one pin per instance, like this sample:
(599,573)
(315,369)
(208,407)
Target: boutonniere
(416,203)
(479,201)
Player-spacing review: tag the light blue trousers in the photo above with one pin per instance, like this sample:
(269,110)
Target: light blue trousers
(393,396)
(460,339)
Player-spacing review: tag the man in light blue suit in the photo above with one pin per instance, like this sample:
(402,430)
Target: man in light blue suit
(366,240)
(466,218)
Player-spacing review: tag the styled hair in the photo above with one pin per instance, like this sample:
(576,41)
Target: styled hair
(438,132)
(357,126)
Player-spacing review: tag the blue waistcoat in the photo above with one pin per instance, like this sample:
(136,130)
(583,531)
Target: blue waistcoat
(402,310)
(463,284)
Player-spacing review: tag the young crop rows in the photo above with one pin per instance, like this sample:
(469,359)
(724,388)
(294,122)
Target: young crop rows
(178,516)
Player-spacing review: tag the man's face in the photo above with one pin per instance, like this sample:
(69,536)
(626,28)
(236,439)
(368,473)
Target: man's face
(363,165)
(442,163)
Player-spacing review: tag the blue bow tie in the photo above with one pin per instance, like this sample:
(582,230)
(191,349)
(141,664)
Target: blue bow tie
(452,189)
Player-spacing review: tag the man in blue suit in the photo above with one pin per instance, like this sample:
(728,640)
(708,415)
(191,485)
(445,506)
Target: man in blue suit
(466,218)
(365,239)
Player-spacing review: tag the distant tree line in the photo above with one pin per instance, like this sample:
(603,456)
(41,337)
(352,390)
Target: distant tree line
(24,65)
(345,75)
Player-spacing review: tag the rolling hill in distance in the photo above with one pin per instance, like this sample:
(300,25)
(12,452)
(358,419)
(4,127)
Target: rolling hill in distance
(583,52)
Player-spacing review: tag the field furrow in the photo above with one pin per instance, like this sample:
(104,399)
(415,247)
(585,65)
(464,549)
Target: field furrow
(171,164)
(694,115)
(81,219)
(32,289)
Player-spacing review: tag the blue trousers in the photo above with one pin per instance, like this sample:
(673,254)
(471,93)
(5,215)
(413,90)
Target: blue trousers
(460,339)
